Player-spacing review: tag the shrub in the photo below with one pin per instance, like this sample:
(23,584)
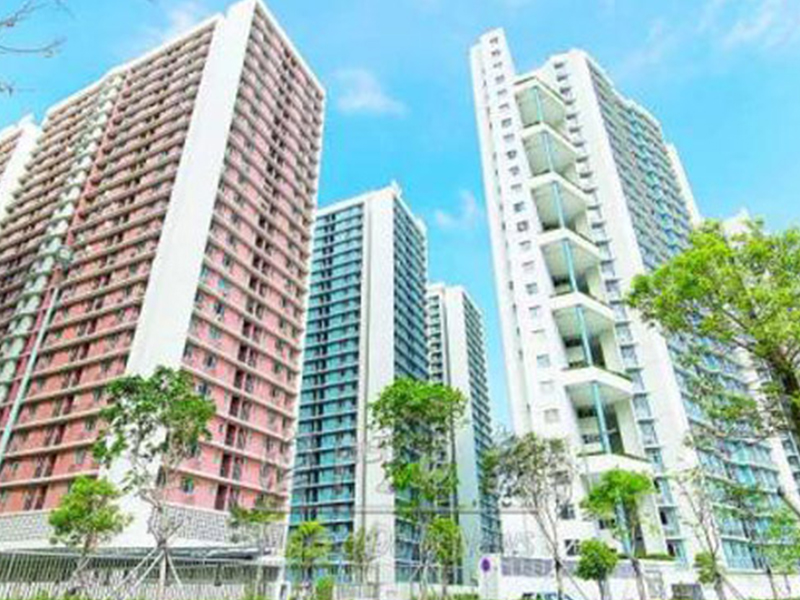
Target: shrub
(323,589)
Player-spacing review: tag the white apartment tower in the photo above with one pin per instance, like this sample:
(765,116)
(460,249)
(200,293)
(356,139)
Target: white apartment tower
(582,194)
(457,358)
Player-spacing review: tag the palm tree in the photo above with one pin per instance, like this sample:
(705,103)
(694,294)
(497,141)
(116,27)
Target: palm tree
(308,545)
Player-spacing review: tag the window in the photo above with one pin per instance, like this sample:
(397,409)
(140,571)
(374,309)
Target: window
(187,485)
(535,312)
(519,207)
(531,289)
(543,361)
(525,246)
(551,416)
(547,387)
(528,266)
(522,226)
(572,547)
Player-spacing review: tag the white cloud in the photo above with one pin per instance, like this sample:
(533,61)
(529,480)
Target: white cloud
(766,24)
(661,41)
(360,92)
(178,18)
(689,46)
(469,214)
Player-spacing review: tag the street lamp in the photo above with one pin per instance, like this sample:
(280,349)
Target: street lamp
(63,258)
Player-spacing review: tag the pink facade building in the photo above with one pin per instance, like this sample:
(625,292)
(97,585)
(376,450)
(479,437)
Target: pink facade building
(181,188)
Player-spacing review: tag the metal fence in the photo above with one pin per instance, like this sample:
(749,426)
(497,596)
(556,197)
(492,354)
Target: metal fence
(25,576)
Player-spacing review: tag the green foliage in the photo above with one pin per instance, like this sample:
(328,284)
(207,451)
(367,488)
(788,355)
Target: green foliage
(87,516)
(414,422)
(308,545)
(781,542)
(155,420)
(709,570)
(255,525)
(323,588)
(741,290)
(597,561)
(361,550)
(445,542)
(418,416)
(619,495)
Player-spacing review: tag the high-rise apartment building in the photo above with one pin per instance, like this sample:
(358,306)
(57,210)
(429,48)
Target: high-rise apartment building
(366,328)
(164,218)
(457,358)
(582,194)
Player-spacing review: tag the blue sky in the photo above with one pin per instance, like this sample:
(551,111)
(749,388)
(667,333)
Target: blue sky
(723,76)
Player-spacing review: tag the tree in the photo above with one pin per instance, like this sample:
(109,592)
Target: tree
(619,496)
(87,517)
(361,550)
(537,473)
(446,544)
(741,290)
(705,499)
(750,506)
(11,21)
(308,545)
(259,526)
(414,422)
(154,423)
(709,572)
(597,561)
(781,548)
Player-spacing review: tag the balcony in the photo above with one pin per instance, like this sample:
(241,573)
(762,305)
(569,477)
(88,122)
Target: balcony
(581,379)
(548,150)
(538,103)
(577,312)
(562,246)
(558,200)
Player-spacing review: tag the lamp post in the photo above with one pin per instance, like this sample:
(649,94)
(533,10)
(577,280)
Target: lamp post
(63,259)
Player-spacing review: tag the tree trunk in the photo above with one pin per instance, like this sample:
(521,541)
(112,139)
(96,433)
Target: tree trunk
(601,585)
(641,588)
(559,577)
(788,379)
(719,589)
(444,581)
(788,582)
(772,585)
(162,574)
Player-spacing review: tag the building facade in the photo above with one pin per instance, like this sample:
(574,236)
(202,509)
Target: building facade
(583,193)
(366,328)
(16,144)
(164,218)
(457,358)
